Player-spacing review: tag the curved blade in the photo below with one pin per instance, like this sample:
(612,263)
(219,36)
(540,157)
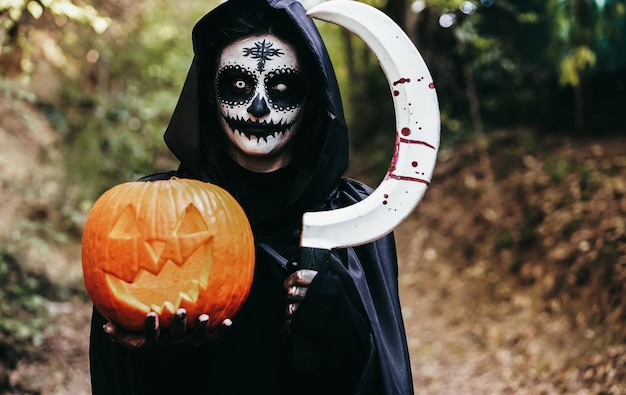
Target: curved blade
(417,133)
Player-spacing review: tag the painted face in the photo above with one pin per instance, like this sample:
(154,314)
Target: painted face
(260,90)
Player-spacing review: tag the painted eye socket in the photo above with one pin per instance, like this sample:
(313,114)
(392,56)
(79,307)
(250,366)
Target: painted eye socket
(235,85)
(286,89)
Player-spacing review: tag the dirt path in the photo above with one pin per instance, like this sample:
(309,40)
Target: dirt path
(63,368)
(474,332)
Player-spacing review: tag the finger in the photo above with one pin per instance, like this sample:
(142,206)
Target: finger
(178,326)
(296,294)
(305,276)
(291,309)
(221,328)
(109,329)
(201,332)
(127,339)
(300,277)
(134,342)
(290,281)
(152,328)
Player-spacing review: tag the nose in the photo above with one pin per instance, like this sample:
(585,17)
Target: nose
(259,107)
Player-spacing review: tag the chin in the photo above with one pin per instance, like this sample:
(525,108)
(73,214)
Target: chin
(259,147)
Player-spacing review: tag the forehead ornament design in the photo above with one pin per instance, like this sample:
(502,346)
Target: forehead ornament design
(263,52)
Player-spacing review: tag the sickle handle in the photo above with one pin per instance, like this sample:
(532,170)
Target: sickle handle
(313,258)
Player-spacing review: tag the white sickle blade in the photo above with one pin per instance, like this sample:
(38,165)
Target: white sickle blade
(417,133)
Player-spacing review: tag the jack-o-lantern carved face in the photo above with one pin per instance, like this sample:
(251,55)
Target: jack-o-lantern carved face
(183,256)
(159,246)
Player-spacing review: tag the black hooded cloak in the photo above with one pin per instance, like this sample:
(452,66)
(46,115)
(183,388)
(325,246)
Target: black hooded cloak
(350,319)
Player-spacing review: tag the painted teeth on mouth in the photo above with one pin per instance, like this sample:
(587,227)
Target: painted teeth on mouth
(276,134)
(279,128)
(281,124)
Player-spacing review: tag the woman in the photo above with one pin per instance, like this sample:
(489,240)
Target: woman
(260,115)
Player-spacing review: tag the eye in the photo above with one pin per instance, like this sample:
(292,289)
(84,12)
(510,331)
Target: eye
(235,85)
(286,88)
(241,86)
(280,87)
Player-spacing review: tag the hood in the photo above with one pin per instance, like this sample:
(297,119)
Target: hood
(195,139)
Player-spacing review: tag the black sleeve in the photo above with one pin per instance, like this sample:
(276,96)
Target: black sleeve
(337,331)
(116,370)
(107,361)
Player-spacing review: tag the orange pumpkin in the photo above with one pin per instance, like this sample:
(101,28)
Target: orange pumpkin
(162,245)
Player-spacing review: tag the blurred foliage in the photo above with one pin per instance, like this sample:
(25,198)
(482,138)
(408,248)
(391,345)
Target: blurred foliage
(584,31)
(116,76)
(555,65)
(23,312)
(130,90)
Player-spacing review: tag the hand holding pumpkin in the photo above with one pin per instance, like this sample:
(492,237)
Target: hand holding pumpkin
(178,332)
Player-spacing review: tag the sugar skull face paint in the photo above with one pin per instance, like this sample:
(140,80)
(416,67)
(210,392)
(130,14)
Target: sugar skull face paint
(261,90)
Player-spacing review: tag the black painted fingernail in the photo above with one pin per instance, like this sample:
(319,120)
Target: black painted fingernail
(151,320)
(203,320)
(152,327)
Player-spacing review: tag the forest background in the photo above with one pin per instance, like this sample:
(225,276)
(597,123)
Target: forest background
(528,196)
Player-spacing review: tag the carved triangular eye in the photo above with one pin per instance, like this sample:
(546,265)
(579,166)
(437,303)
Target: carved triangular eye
(126,226)
(190,222)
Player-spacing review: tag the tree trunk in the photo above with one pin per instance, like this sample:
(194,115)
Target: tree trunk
(579,108)
(397,10)
(492,190)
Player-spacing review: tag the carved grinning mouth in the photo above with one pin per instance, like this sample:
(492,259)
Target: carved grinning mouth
(261,130)
(185,282)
